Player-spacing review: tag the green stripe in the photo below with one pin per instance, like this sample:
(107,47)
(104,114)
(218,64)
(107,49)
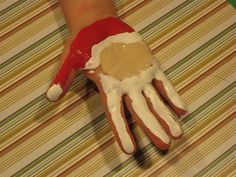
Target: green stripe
(221,161)
(172,18)
(21,10)
(193,58)
(173,14)
(12,15)
(11,8)
(123,4)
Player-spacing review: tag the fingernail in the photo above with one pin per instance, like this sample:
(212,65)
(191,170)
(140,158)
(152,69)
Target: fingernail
(54,92)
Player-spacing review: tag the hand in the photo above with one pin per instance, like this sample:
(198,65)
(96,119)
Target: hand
(123,68)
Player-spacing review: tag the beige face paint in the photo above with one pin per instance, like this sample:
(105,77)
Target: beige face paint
(121,60)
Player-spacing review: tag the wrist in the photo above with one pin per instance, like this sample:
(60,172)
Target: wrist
(82,13)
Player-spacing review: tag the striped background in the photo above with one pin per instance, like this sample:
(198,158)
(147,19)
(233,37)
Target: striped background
(195,42)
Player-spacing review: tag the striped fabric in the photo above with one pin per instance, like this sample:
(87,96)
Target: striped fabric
(195,43)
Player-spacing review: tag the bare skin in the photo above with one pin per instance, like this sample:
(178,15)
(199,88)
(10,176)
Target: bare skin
(80,13)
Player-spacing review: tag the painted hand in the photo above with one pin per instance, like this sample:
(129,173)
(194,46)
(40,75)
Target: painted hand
(124,70)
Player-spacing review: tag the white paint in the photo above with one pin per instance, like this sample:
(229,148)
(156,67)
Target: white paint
(163,111)
(133,86)
(114,105)
(140,81)
(54,92)
(126,38)
(140,106)
(114,102)
(170,91)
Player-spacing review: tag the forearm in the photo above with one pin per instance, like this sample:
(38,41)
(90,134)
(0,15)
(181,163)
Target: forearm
(81,13)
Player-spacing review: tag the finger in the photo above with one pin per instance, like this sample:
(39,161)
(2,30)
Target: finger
(116,117)
(139,110)
(163,114)
(167,91)
(65,75)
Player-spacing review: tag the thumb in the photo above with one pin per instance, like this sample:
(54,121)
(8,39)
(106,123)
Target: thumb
(65,75)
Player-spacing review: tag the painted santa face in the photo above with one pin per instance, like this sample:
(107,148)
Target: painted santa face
(123,65)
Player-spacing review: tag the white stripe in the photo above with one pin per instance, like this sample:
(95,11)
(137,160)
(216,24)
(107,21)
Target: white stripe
(108,166)
(210,93)
(189,141)
(24,101)
(29,41)
(198,43)
(210,157)
(156,15)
